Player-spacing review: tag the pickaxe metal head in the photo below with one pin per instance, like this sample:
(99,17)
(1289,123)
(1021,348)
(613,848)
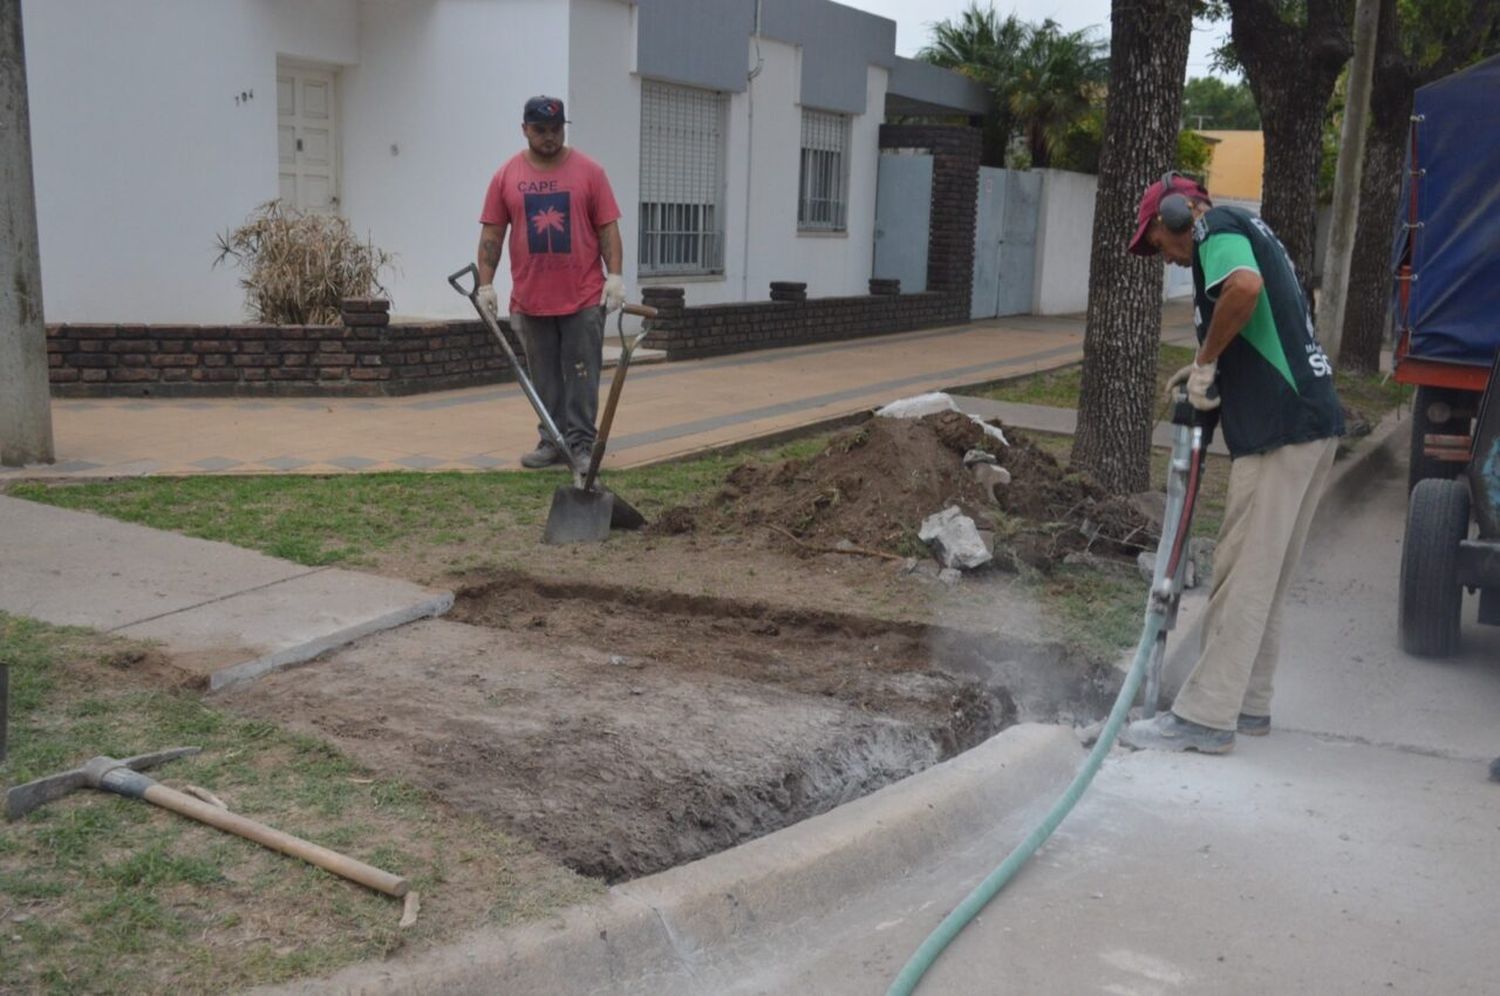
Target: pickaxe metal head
(24,798)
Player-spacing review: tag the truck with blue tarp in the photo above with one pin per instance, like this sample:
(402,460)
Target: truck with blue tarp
(1447,264)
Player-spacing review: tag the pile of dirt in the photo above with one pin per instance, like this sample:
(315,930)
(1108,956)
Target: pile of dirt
(872,486)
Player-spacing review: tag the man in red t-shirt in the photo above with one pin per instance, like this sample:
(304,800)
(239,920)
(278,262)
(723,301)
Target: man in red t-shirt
(563,220)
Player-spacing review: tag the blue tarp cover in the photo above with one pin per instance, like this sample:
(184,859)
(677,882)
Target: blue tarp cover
(1454,310)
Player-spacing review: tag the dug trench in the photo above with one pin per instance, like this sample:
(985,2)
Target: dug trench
(626,730)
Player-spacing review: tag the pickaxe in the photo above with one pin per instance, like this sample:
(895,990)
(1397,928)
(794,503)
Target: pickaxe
(124,777)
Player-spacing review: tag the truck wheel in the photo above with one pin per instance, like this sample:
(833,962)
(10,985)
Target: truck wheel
(1422,423)
(1437,520)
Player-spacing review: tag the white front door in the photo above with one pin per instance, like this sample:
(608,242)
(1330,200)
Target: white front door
(307,143)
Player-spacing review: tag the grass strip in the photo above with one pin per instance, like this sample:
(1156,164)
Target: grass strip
(102,894)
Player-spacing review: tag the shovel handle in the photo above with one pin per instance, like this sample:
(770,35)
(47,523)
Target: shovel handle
(469,271)
(331,861)
(615,384)
(527,388)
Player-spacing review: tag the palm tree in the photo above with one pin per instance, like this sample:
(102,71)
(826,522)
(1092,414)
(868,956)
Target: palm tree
(1041,80)
(1057,78)
(983,46)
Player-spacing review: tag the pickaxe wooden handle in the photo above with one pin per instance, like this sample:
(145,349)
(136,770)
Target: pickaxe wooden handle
(332,861)
(123,778)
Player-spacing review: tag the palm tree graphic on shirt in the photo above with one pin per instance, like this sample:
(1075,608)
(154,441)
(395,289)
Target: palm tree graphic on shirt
(549,228)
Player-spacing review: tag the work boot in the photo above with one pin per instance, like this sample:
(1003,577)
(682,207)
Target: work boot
(1169,731)
(545,455)
(582,454)
(1253,726)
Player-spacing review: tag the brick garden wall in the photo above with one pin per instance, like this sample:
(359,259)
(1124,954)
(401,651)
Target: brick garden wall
(362,357)
(709,330)
(715,329)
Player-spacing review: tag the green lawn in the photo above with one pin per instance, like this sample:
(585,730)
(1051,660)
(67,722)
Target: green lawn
(1370,394)
(1059,388)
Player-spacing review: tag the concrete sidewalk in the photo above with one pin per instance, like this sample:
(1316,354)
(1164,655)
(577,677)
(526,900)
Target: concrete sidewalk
(667,409)
(226,613)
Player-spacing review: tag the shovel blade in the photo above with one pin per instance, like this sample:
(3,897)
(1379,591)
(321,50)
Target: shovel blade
(625,515)
(579,516)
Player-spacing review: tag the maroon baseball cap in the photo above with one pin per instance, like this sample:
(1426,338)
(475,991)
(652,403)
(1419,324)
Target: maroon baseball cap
(1151,203)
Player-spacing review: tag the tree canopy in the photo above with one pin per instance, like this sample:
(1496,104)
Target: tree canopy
(1043,81)
(1210,103)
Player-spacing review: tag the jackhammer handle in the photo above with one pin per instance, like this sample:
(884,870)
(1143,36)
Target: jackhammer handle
(639,310)
(276,840)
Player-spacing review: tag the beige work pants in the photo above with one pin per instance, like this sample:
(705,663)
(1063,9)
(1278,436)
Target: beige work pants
(1272,497)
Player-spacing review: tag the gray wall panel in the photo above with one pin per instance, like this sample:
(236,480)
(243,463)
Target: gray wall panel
(706,43)
(698,42)
(838,43)
(922,83)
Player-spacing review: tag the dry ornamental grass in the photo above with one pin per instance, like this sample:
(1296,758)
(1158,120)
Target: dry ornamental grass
(300,264)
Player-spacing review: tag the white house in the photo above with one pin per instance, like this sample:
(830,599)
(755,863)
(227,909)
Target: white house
(740,136)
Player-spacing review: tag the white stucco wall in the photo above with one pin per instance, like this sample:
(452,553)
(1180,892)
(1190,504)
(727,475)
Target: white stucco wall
(761,175)
(604,107)
(141,154)
(1065,229)
(444,83)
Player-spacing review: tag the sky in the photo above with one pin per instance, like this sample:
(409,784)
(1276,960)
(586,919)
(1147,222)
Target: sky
(913,17)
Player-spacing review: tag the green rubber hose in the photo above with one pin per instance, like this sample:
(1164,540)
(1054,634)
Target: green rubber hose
(921,960)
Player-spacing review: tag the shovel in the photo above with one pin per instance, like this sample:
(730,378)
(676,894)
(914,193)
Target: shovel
(619,513)
(584,515)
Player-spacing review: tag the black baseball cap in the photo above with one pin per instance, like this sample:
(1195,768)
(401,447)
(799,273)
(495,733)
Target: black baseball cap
(543,110)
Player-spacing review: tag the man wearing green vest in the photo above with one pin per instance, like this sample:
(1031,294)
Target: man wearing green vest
(1259,363)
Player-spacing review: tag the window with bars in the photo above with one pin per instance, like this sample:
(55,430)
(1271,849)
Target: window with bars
(682,179)
(823,181)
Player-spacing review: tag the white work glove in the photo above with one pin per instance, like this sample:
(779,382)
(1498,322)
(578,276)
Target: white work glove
(614,292)
(487,300)
(1198,377)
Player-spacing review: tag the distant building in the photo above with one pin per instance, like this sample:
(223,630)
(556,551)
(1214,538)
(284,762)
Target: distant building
(1237,165)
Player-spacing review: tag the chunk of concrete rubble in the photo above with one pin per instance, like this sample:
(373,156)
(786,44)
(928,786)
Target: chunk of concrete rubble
(931,403)
(950,576)
(978,456)
(954,539)
(991,477)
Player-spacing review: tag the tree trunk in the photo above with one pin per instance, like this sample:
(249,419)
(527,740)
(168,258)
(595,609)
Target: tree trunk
(1117,399)
(1367,315)
(25,402)
(1367,307)
(1291,68)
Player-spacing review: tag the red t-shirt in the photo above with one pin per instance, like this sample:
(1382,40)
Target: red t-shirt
(553,214)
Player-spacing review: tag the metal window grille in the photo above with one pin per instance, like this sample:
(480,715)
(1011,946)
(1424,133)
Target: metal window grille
(823,182)
(682,179)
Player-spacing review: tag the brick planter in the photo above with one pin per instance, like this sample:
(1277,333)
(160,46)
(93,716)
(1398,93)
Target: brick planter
(715,329)
(367,356)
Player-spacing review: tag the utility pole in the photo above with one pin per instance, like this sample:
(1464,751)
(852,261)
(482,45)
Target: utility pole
(1342,224)
(25,404)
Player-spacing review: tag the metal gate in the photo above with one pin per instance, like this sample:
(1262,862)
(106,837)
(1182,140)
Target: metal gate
(1005,242)
(903,214)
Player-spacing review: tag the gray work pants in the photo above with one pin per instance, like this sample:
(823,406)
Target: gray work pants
(563,356)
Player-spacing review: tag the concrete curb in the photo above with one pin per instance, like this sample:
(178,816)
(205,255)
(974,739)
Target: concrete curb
(653,932)
(1375,455)
(244,671)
